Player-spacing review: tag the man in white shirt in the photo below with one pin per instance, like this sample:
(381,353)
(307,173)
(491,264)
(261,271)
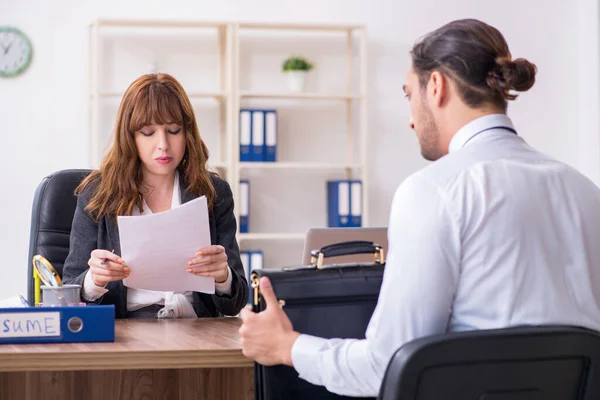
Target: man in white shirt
(492,234)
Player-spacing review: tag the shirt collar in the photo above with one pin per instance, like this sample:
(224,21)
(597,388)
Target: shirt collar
(477,125)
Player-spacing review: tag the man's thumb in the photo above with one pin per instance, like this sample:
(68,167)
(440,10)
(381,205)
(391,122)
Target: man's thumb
(267,292)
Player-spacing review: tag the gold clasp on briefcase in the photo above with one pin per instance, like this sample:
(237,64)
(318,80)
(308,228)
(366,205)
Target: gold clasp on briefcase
(255,279)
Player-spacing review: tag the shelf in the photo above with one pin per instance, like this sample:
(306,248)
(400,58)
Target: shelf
(299,27)
(157,23)
(271,236)
(218,24)
(299,96)
(192,95)
(296,165)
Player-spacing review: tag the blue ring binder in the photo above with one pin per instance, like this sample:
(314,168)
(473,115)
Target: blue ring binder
(91,323)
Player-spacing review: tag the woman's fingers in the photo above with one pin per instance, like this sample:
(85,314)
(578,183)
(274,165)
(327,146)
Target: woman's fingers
(204,260)
(214,249)
(211,268)
(213,274)
(105,255)
(112,274)
(109,266)
(208,258)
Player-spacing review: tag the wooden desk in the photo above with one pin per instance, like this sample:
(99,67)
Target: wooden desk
(150,359)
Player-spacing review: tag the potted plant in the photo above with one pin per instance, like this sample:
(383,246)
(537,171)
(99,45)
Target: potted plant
(296,69)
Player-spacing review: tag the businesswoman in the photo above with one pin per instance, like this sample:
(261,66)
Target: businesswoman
(157,162)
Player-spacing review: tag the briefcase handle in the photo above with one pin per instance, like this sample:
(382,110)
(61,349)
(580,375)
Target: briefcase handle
(347,248)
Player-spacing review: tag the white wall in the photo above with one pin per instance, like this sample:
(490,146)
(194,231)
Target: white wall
(588,44)
(44,113)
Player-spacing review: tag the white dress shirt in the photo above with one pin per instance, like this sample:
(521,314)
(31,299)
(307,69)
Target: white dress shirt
(139,298)
(492,235)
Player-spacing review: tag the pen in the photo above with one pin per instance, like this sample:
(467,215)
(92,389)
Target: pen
(106,259)
(23,301)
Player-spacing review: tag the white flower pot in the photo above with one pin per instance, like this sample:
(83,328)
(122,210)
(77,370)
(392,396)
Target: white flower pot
(296,81)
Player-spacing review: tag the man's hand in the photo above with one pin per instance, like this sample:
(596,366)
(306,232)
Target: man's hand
(267,337)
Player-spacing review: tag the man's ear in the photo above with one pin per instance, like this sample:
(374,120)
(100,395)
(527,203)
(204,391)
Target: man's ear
(438,88)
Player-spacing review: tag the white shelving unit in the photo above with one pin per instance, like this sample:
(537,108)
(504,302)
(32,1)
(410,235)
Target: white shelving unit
(355,102)
(295,165)
(299,96)
(230,97)
(271,236)
(192,95)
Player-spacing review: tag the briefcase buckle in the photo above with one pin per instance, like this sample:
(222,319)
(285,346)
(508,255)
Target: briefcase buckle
(255,281)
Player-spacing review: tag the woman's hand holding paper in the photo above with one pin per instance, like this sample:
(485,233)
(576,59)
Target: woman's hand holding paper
(210,261)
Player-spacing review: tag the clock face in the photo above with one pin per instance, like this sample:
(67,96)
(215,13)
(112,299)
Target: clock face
(15,51)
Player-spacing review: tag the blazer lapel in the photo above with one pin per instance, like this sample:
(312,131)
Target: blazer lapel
(112,232)
(188,196)
(185,195)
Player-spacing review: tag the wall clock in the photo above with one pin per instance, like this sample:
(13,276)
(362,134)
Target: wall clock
(15,52)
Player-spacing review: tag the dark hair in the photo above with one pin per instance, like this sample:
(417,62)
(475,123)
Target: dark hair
(476,56)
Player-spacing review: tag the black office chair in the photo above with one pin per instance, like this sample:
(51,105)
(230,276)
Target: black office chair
(525,363)
(54,205)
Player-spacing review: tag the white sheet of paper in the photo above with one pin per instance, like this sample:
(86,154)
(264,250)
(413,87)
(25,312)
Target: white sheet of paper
(157,248)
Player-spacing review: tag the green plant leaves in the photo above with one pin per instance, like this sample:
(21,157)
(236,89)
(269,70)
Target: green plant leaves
(297,64)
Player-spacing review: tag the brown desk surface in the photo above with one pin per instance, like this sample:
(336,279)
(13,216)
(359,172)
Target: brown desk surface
(139,344)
